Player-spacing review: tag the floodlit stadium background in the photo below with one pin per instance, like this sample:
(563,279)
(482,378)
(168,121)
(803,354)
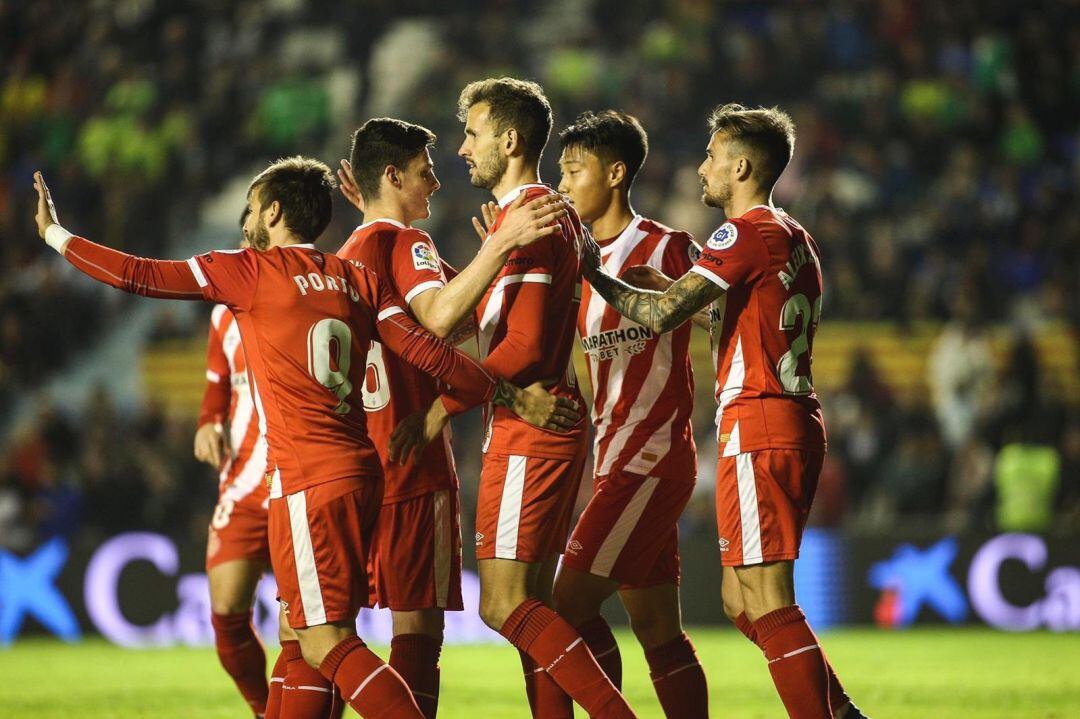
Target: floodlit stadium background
(937,165)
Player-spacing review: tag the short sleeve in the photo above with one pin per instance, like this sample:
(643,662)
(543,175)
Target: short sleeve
(733,255)
(680,255)
(415,265)
(227,276)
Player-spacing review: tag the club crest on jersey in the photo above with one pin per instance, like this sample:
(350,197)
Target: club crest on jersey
(724,237)
(423,258)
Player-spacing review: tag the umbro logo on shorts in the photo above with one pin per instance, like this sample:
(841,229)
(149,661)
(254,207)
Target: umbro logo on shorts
(574,547)
(479,539)
(724,544)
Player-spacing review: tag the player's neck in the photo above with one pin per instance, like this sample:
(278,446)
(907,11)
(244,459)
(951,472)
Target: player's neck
(741,204)
(284,240)
(614,219)
(517,173)
(385,211)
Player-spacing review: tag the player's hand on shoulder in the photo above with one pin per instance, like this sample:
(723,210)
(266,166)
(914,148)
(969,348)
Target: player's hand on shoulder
(591,262)
(46,210)
(527,222)
(348,186)
(210,444)
(488,211)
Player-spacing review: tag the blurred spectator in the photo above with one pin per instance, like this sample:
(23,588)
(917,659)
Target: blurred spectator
(961,370)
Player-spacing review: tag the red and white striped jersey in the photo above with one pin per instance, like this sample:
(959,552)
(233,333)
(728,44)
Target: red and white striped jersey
(643,384)
(763,330)
(525,326)
(227,400)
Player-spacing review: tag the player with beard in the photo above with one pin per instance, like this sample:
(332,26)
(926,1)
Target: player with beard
(307,320)
(760,270)
(416,552)
(526,325)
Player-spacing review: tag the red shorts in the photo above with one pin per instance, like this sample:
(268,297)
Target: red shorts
(319,540)
(237,531)
(524,505)
(629,531)
(762,501)
(416,553)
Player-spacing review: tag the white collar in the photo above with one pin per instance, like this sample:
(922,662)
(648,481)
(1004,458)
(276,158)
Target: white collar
(512,195)
(770,208)
(300,246)
(387,220)
(629,230)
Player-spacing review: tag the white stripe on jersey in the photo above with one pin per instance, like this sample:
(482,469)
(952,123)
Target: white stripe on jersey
(506,537)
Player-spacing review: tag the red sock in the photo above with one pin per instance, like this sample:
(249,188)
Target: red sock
(416,658)
(277,678)
(528,668)
(678,679)
(838,698)
(241,654)
(369,685)
(601,642)
(797,664)
(554,645)
(551,701)
(305,694)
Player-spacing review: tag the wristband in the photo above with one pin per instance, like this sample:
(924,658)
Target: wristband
(57,237)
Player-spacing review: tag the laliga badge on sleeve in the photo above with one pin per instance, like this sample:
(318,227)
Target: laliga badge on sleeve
(724,237)
(423,258)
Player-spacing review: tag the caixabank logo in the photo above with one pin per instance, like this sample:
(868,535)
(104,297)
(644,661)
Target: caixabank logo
(1015,582)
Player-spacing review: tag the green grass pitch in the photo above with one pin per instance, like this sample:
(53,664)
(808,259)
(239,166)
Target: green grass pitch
(918,674)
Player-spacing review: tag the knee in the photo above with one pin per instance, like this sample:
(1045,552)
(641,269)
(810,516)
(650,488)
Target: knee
(732,610)
(495,611)
(312,654)
(570,605)
(230,605)
(653,628)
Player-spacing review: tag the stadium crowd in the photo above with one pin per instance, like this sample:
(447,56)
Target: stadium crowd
(937,161)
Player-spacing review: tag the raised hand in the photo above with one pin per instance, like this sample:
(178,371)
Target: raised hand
(591,262)
(46,210)
(348,187)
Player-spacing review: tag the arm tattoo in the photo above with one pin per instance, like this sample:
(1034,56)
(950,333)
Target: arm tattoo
(659,311)
(505,394)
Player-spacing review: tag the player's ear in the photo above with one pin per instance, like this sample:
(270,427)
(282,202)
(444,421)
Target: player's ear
(742,168)
(392,176)
(274,216)
(511,141)
(616,173)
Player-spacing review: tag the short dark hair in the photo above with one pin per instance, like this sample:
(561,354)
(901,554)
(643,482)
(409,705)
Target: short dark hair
(768,133)
(384,141)
(612,136)
(304,187)
(518,104)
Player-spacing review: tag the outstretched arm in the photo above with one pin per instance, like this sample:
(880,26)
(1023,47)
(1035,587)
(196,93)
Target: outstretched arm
(137,275)
(659,311)
(645,277)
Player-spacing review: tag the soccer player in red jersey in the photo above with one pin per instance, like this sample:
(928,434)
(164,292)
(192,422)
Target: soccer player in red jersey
(416,553)
(761,272)
(229,439)
(307,320)
(529,478)
(627,539)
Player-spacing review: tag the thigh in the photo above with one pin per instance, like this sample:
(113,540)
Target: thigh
(238,530)
(524,506)
(762,502)
(232,585)
(416,555)
(319,540)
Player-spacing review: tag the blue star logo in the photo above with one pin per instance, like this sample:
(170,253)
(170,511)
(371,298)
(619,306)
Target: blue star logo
(917,577)
(26,588)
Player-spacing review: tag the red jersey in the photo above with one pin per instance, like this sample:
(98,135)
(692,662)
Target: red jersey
(307,320)
(227,401)
(525,326)
(763,332)
(643,384)
(406,261)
